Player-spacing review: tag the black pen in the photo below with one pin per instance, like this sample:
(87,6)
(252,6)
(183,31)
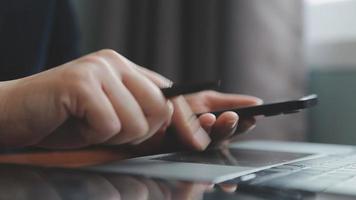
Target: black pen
(180,89)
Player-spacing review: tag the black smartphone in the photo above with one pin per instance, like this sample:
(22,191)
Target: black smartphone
(286,107)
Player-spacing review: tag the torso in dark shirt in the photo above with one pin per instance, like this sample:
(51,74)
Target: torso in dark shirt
(35,35)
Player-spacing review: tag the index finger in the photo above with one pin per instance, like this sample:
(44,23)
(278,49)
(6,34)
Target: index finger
(207,101)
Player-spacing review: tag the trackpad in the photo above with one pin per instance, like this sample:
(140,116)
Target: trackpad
(234,157)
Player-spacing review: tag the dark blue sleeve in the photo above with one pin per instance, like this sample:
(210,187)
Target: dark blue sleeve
(35,35)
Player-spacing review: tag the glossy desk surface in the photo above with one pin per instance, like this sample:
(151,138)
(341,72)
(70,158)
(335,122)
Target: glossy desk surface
(52,181)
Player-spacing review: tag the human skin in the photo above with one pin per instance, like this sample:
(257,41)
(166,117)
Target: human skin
(103,98)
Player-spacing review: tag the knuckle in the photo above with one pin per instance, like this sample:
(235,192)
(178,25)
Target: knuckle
(95,62)
(210,93)
(85,73)
(99,65)
(108,53)
(92,58)
(120,61)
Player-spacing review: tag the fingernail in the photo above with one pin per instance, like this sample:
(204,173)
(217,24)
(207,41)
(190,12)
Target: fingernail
(167,83)
(170,108)
(259,101)
(202,138)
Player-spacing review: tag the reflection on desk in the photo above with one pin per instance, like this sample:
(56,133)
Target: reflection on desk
(31,183)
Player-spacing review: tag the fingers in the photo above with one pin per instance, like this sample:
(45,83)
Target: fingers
(140,94)
(207,121)
(109,101)
(102,120)
(208,101)
(120,102)
(132,118)
(156,108)
(225,126)
(188,126)
(220,100)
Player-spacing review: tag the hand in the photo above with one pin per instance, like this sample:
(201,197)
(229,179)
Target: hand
(99,98)
(195,133)
(105,98)
(219,130)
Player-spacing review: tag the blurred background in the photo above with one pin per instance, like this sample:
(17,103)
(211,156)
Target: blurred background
(330,55)
(275,49)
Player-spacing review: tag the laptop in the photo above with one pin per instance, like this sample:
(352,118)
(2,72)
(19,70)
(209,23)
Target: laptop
(296,166)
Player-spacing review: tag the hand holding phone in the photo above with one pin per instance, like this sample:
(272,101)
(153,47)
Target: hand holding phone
(286,107)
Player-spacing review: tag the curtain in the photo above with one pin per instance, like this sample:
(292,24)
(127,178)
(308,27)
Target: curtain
(252,46)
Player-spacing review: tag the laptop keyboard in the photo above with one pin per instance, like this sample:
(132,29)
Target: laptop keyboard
(336,174)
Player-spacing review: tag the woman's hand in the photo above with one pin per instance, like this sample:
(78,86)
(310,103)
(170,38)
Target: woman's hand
(99,98)
(103,98)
